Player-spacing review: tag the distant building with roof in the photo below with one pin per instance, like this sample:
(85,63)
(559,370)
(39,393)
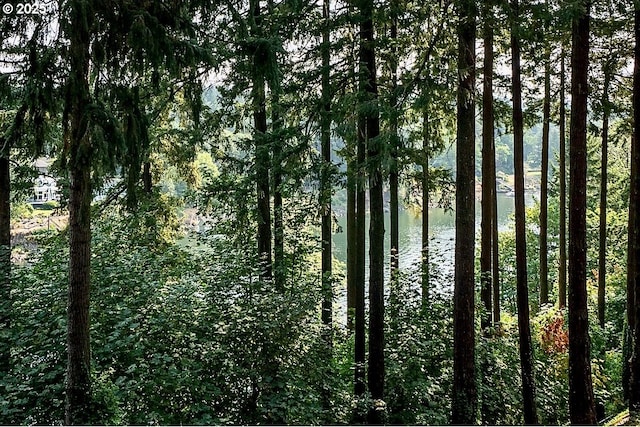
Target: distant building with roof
(45,187)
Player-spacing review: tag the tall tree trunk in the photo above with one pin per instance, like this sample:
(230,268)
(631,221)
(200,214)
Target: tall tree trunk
(495,255)
(326,191)
(544,179)
(488,200)
(522,289)
(425,207)
(78,383)
(394,204)
(562,271)
(263,149)
(464,398)
(360,385)
(602,250)
(369,89)
(633,260)
(360,340)
(278,210)
(326,176)
(581,403)
(488,175)
(5,257)
(352,248)
(352,229)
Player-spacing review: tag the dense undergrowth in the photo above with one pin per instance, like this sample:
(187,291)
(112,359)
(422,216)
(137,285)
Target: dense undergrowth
(189,335)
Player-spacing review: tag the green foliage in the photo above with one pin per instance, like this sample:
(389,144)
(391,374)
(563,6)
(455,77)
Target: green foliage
(418,357)
(20,211)
(179,336)
(498,378)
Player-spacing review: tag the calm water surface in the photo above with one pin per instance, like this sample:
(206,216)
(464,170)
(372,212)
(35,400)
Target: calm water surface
(441,235)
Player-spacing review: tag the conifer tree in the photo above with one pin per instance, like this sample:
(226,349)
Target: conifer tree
(375,151)
(464,399)
(581,402)
(544,171)
(488,170)
(562,176)
(113,45)
(522,289)
(633,260)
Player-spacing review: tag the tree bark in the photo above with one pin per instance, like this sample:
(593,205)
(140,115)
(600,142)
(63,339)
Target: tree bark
(581,402)
(522,289)
(78,383)
(263,151)
(360,340)
(488,174)
(5,257)
(425,208)
(325,179)
(278,209)
(352,228)
(494,242)
(369,92)
(352,248)
(488,202)
(464,398)
(325,203)
(147,178)
(394,205)
(602,250)
(633,261)
(562,270)
(544,179)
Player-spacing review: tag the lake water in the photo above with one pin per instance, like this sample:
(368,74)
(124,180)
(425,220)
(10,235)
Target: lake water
(441,240)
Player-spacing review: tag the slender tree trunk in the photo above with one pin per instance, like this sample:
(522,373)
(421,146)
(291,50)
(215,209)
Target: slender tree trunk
(602,250)
(581,403)
(376,228)
(465,399)
(263,151)
(325,203)
(352,229)
(425,208)
(351,242)
(360,385)
(360,340)
(278,210)
(325,179)
(562,271)
(494,242)
(394,205)
(494,223)
(488,175)
(488,203)
(78,383)
(633,260)
(522,289)
(544,179)
(5,258)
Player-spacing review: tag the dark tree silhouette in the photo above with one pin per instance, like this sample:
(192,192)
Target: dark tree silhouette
(465,399)
(78,99)
(562,167)
(522,289)
(633,260)
(581,402)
